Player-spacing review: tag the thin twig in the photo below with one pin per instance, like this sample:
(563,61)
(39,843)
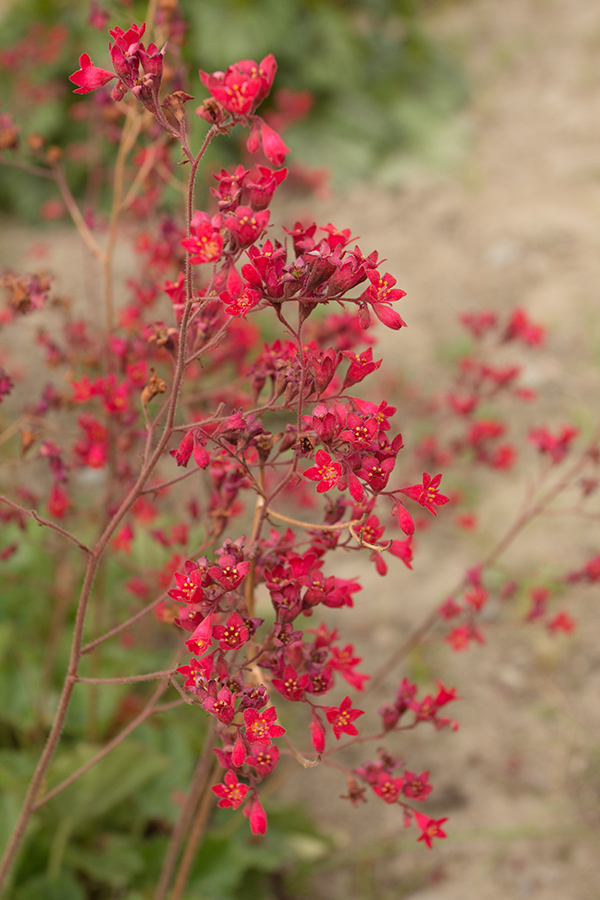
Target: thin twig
(197,788)
(46,522)
(149,676)
(198,830)
(147,711)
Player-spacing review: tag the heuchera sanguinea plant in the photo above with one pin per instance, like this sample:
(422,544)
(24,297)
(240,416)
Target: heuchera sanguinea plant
(292,466)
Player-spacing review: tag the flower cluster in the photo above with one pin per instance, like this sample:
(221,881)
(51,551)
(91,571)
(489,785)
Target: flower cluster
(259,454)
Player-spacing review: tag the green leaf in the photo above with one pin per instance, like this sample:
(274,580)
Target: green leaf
(114,779)
(115,861)
(65,887)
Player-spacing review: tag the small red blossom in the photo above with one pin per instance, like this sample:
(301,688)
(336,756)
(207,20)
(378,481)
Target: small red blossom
(261,135)
(292,685)
(379,296)
(89,77)
(326,471)
(233,634)
(222,706)
(232,792)
(201,639)
(416,786)
(263,759)
(427,494)
(555,446)
(243,85)
(562,621)
(257,816)
(260,727)
(58,502)
(317,732)
(240,306)
(344,661)
(460,638)
(450,609)
(205,243)
(430,828)
(360,366)
(388,788)
(341,717)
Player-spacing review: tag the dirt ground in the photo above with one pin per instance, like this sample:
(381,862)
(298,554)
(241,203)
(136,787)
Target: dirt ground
(514,219)
(514,222)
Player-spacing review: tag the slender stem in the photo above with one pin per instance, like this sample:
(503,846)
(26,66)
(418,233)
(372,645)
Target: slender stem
(75,213)
(92,567)
(129,679)
(339,526)
(147,711)
(41,521)
(198,830)
(532,511)
(128,137)
(87,648)
(56,729)
(197,789)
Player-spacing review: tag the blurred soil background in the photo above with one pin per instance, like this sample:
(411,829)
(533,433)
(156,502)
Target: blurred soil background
(504,211)
(513,218)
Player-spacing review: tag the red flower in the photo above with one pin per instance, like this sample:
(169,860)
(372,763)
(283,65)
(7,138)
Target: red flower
(232,793)
(243,85)
(380,295)
(259,725)
(360,366)
(430,828)
(341,717)
(273,146)
(556,447)
(222,706)
(239,306)
(460,638)
(205,243)
(89,77)
(317,730)
(192,442)
(263,759)
(415,786)
(326,471)
(562,621)
(201,639)
(427,494)
(246,224)
(258,818)
(291,685)
(376,473)
(233,634)
(344,661)
(229,573)
(388,788)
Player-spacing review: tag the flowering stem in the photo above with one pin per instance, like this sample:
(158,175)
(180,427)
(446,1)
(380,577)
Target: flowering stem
(126,504)
(198,786)
(56,729)
(198,830)
(128,137)
(75,213)
(339,526)
(123,626)
(534,509)
(149,676)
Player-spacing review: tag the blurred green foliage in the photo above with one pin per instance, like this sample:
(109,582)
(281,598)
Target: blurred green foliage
(381,85)
(104,837)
